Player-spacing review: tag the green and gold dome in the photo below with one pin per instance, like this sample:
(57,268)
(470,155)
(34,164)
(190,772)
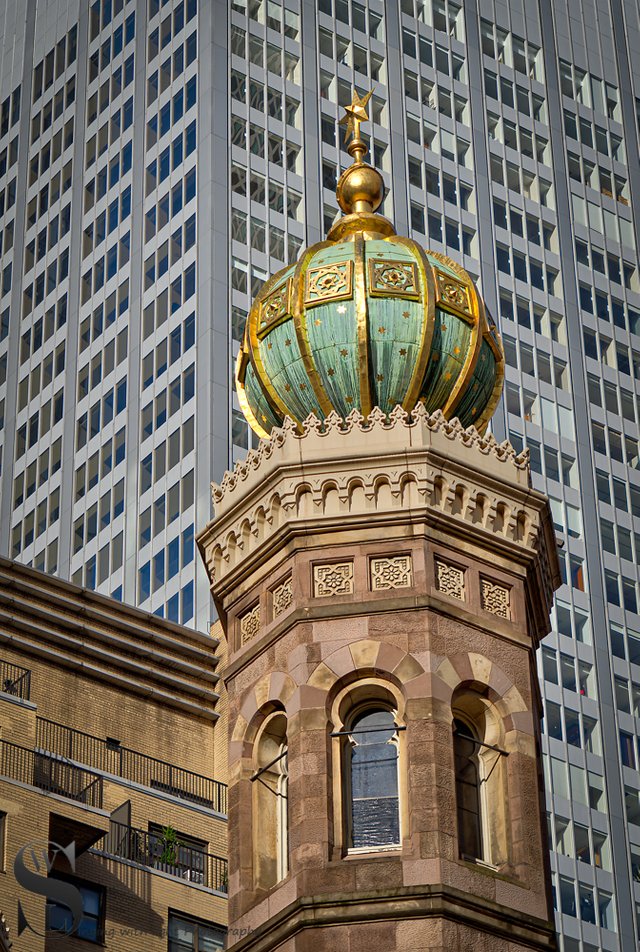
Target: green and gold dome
(368,318)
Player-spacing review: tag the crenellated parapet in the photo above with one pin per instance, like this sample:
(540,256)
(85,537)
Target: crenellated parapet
(337,476)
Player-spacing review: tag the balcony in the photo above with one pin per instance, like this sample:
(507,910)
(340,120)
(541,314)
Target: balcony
(50,774)
(15,680)
(110,757)
(148,849)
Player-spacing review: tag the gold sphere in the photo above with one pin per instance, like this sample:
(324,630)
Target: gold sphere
(360,189)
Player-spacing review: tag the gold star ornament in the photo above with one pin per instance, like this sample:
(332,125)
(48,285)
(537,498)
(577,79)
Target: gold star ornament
(356,113)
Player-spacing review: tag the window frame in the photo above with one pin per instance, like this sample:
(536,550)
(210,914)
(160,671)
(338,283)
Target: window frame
(356,715)
(100,919)
(174,914)
(350,701)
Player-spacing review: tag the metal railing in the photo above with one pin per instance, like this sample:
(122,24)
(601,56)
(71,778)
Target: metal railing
(15,680)
(111,757)
(172,857)
(50,774)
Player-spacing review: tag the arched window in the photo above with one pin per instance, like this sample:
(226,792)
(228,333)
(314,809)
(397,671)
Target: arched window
(468,793)
(372,803)
(270,804)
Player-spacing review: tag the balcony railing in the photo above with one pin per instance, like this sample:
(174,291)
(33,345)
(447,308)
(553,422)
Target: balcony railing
(15,680)
(111,757)
(50,774)
(149,849)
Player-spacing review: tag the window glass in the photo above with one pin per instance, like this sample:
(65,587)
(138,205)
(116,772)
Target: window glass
(467,770)
(375,818)
(187,935)
(60,919)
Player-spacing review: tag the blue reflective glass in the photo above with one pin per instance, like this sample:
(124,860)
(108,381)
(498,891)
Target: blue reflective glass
(121,397)
(173,558)
(125,203)
(187,545)
(176,198)
(178,105)
(165,166)
(112,262)
(178,18)
(113,215)
(190,138)
(192,48)
(189,282)
(117,41)
(189,331)
(165,119)
(107,407)
(190,185)
(173,608)
(177,152)
(144,581)
(187,603)
(128,70)
(178,62)
(175,344)
(191,92)
(126,158)
(130,28)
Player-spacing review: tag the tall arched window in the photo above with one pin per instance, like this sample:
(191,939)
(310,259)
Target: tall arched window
(372,807)
(468,794)
(270,804)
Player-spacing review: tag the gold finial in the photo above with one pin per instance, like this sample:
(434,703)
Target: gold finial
(355,113)
(360,187)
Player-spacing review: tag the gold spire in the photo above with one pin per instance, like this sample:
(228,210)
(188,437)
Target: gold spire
(356,113)
(360,187)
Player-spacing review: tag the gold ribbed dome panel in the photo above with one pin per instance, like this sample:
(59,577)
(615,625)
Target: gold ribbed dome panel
(368,318)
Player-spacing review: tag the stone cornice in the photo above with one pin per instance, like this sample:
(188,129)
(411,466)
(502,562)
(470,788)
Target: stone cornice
(356,475)
(409,902)
(365,439)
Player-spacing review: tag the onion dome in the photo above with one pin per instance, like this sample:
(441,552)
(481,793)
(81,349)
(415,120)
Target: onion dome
(368,318)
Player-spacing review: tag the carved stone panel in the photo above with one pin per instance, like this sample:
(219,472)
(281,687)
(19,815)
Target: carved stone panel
(250,624)
(282,596)
(333,579)
(495,598)
(391,572)
(450,579)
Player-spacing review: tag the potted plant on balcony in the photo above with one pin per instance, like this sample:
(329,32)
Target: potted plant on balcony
(169,844)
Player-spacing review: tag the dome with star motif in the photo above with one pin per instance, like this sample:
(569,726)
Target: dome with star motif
(368,318)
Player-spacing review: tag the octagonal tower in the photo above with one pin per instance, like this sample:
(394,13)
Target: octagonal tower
(384,578)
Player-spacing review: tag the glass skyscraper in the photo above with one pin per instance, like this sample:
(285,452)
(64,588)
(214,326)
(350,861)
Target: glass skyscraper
(159,159)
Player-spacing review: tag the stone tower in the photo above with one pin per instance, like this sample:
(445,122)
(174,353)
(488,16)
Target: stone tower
(383,580)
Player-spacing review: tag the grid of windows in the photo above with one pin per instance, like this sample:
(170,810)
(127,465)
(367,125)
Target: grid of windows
(266,207)
(111,166)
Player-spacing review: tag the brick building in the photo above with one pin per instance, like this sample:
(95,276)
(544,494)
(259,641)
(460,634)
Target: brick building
(110,720)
